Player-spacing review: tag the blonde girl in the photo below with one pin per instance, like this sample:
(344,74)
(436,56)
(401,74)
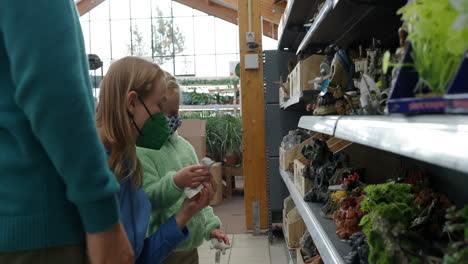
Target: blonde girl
(129,113)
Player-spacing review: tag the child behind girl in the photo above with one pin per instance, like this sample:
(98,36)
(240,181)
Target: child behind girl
(129,113)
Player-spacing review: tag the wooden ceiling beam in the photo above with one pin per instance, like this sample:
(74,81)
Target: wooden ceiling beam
(269,24)
(270,29)
(84,6)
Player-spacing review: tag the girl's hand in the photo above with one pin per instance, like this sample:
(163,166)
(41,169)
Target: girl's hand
(220,235)
(192,207)
(191,176)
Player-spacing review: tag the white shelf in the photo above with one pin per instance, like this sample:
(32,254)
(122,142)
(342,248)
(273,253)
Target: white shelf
(327,7)
(344,22)
(207,107)
(321,124)
(321,238)
(438,139)
(295,15)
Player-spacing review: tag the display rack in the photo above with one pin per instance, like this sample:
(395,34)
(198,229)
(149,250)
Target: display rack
(208,107)
(343,22)
(436,139)
(298,101)
(290,254)
(295,16)
(332,249)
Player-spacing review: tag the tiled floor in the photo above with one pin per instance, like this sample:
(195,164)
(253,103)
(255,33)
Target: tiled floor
(246,249)
(232,215)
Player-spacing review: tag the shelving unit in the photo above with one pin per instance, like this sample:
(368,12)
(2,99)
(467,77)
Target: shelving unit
(208,107)
(295,16)
(298,102)
(344,22)
(290,254)
(426,138)
(292,257)
(332,249)
(438,143)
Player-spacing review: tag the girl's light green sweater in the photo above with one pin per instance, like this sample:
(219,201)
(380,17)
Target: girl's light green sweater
(166,197)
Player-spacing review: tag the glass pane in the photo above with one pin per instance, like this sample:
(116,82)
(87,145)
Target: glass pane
(183,29)
(100,39)
(227,36)
(100,12)
(119,9)
(161,8)
(269,43)
(85,29)
(185,65)
(141,8)
(204,35)
(141,37)
(223,64)
(166,63)
(205,66)
(199,13)
(121,38)
(181,10)
(162,37)
(84,17)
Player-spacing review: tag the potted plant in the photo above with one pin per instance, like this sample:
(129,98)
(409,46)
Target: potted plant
(224,139)
(233,139)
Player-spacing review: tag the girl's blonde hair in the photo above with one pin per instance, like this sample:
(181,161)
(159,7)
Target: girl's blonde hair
(171,83)
(125,75)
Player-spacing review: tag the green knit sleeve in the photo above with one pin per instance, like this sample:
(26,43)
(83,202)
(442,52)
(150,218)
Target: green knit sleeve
(161,189)
(189,156)
(211,220)
(45,56)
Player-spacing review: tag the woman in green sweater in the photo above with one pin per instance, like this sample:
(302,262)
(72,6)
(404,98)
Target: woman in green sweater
(56,191)
(161,178)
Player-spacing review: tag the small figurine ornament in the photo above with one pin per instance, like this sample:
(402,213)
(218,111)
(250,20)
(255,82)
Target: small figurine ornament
(325,105)
(360,250)
(320,171)
(349,215)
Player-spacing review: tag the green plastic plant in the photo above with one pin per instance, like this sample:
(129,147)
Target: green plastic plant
(457,228)
(198,81)
(224,137)
(390,211)
(438,43)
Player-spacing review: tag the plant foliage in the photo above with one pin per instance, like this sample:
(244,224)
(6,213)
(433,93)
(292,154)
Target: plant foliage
(438,43)
(390,211)
(224,137)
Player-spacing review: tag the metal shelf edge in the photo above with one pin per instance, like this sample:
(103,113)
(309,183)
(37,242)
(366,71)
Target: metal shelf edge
(291,101)
(437,139)
(321,124)
(327,251)
(287,13)
(323,13)
(290,254)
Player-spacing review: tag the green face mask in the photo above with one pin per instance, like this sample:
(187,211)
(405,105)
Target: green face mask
(155,131)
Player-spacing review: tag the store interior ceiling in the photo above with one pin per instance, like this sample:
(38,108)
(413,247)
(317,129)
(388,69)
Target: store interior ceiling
(271,11)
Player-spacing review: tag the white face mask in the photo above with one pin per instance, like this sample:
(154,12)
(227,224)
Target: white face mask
(174,123)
